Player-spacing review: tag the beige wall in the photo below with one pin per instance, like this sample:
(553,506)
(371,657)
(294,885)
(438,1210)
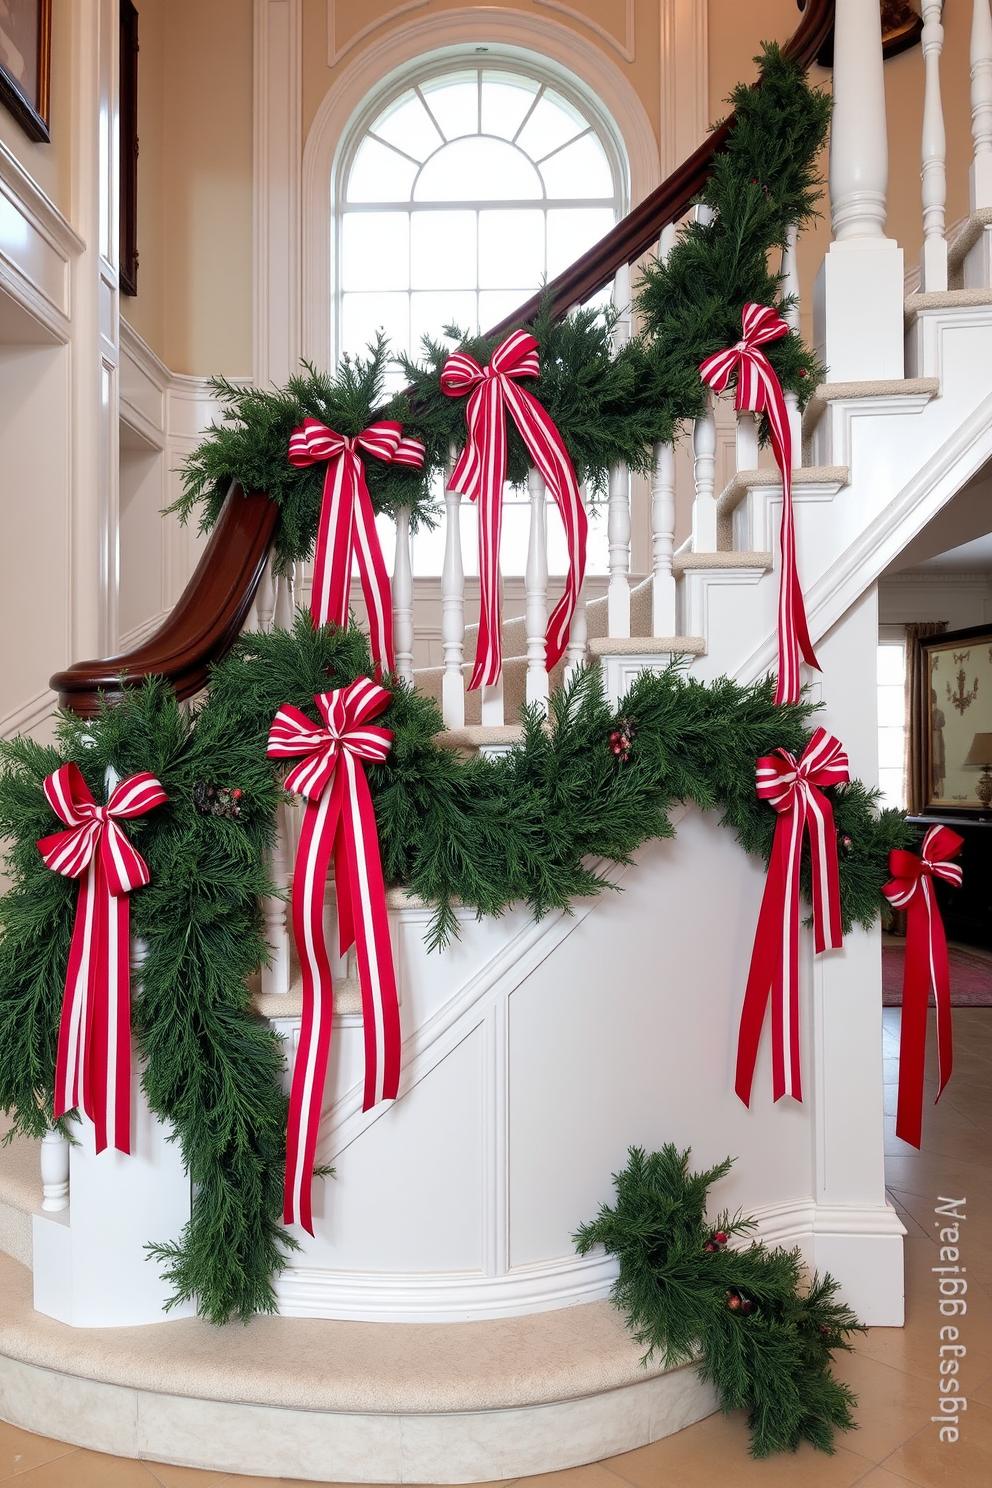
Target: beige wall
(50,165)
(194,301)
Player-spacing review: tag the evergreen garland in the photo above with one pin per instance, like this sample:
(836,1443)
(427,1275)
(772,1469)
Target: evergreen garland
(251,446)
(766,1337)
(210,1068)
(762,183)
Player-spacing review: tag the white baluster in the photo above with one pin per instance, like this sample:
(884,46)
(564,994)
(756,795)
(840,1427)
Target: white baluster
(578,632)
(265,595)
(858,305)
(54,1172)
(747,441)
(663,541)
(790,291)
(403,597)
(618,533)
(453,615)
(276,976)
(621,297)
(285,603)
(536,591)
(704,474)
(667,241)
(491,713)
(934,153)
(980,179)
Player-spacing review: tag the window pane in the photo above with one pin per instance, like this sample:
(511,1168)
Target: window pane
(431,312)
(443,250)
(363,314)
(891,707)
(478,167)
(409,127)
(511,249)
(375,250)
(505,103)
(379,174)
(890,748)
(552,123)
(581,169)
(454,102)
(892,664)
(570,233)
(496,304)
(891,785)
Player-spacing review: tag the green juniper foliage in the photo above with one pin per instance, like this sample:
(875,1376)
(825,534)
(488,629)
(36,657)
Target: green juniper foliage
(765,1334)
(210,1068)
(251,446)
(762,183)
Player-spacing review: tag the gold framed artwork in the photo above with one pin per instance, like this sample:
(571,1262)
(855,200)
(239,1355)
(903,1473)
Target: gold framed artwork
(26,63)
(958,730)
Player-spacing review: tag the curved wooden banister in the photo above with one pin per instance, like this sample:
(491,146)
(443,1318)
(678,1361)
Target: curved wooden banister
(209,615)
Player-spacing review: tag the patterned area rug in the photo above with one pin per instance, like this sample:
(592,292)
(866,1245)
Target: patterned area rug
(971,975)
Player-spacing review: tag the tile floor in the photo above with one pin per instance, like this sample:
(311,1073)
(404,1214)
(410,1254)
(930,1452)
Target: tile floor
(893,1370)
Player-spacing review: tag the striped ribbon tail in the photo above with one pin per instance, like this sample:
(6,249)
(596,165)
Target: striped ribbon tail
(339,824)
(791,786)
(759,391)
(93,1061)
(480,473)
(912,888)
(346,528)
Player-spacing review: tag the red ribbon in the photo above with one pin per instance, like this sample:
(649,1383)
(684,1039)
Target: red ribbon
(347,524)
(759,391)
(792,788)
(93,1064)
(911,888)
(339,820)
(481,471)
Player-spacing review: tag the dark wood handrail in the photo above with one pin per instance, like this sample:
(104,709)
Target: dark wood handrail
(212,609)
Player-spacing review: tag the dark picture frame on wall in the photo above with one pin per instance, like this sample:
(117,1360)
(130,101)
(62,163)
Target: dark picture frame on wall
(26,64)
(128,148)
(957,692)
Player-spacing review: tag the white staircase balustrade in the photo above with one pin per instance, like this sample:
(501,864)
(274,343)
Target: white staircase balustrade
(933,263)
(578,638)
(980,176)
(54,1172)
(491,712)
(453,611)
(791,316)
(663,541)
(265,596)
(704,474)
(536,591)
(747,440)
(858,298)
(284,609)
(402,589)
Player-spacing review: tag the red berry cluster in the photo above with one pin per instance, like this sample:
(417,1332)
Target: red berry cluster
(737,1302)
(216,800)
(717,1241)
(622,739)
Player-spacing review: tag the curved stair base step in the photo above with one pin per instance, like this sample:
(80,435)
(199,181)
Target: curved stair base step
(344,1402)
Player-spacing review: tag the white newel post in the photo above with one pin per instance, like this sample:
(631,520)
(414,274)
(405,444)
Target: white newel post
(403,598)
(704,473)
(663,541)
(536,591)
(453,615)
(980,179)
(858,295)
(933,263)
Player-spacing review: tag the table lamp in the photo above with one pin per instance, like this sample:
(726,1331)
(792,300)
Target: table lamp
(980,757)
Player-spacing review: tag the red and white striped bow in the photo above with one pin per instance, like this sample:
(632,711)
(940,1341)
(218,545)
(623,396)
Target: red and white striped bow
(339,819)
(93,1064)
(759,391)
(347,524)
(926,965)
(792,787)
(481,471)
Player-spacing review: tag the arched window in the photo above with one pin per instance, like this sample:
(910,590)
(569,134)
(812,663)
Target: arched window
(466,189)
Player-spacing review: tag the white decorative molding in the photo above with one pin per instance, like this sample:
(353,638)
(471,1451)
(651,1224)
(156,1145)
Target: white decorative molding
(625,47)
(37,250)
(582,63)
(335,52)
(391,1297)
(277,91)
(684,74)
(29,716)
